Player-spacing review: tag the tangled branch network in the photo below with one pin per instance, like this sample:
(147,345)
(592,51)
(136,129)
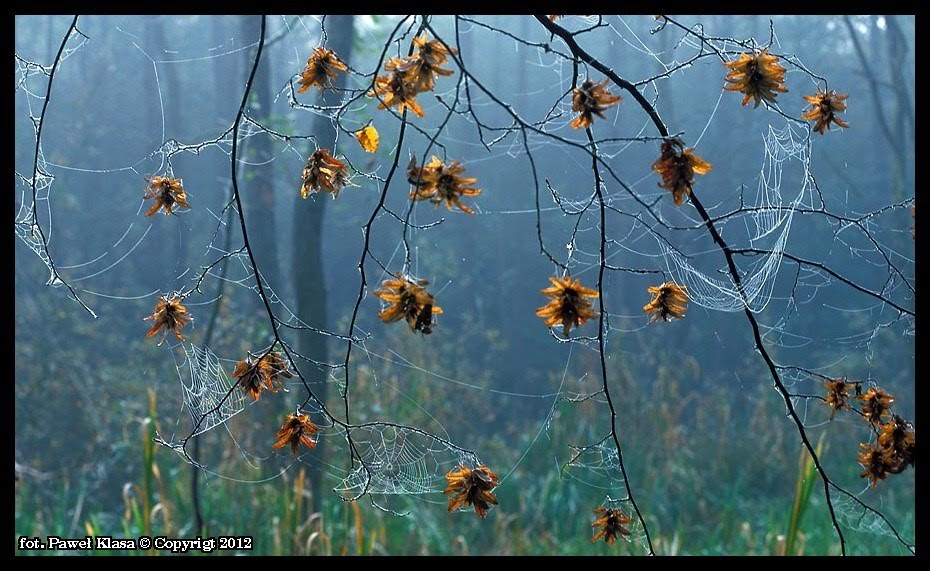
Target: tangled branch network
(732,256)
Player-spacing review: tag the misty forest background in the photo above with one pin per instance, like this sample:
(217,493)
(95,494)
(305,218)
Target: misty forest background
(709,451)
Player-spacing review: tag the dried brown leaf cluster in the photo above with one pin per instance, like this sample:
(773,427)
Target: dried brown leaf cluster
(568,303)
(325,173)
(837,396)
(612,523)
(894,450)
(914,217)
(441,183)
(668,300)
(678,166)
(394,91)
(407,299)
(263,374)
(824,108)
(323,66)
(168,194)
(169,315)
(757,76)
(471,487)
(895,447)
(591,99)
(876,405)
(412,75)
(297,429)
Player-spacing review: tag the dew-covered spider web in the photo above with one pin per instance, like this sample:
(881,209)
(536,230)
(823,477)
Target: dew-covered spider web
(209,394)
(401,461)
(771,229)
(825,265)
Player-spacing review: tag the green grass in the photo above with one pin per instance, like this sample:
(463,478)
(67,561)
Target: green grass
(547,519)
(714,469)
(698,502)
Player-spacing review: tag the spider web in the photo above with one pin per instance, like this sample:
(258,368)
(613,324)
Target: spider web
(31,77)
(210,396)
(596,464)
(857,517)
(401,461)
(771,217)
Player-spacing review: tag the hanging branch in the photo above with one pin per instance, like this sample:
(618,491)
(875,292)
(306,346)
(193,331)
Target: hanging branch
(601,337)
(237,199)
(489,136)
(366,251)
(36,225)
(363,283)
(207,338)
(728,253)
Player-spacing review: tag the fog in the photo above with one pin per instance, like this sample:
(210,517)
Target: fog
(699,428)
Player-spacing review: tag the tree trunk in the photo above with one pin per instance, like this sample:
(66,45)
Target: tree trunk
(307,263)
(903,120)
(258,172)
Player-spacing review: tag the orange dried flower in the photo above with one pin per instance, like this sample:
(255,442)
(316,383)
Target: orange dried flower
(824,108)
(422,68)
(433,51)
(419,71)
(322,68)
(438,183)
(297,430)
(612,524)
(872,459)
(569,303)
(418,75)
(325,173)
(591,99)
(876,404)
(837,396)
(394,91)
(169,315)
(897,439)
(263,374)
(471,487)
(757,76)
(408,300)
(168,194)
(668,300)
(678,166)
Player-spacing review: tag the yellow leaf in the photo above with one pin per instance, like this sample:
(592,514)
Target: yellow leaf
(368,138)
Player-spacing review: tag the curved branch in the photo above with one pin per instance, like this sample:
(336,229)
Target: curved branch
(601,339)
(234,163)
(728,255)
(35,169)
(584,56)
(365,253)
